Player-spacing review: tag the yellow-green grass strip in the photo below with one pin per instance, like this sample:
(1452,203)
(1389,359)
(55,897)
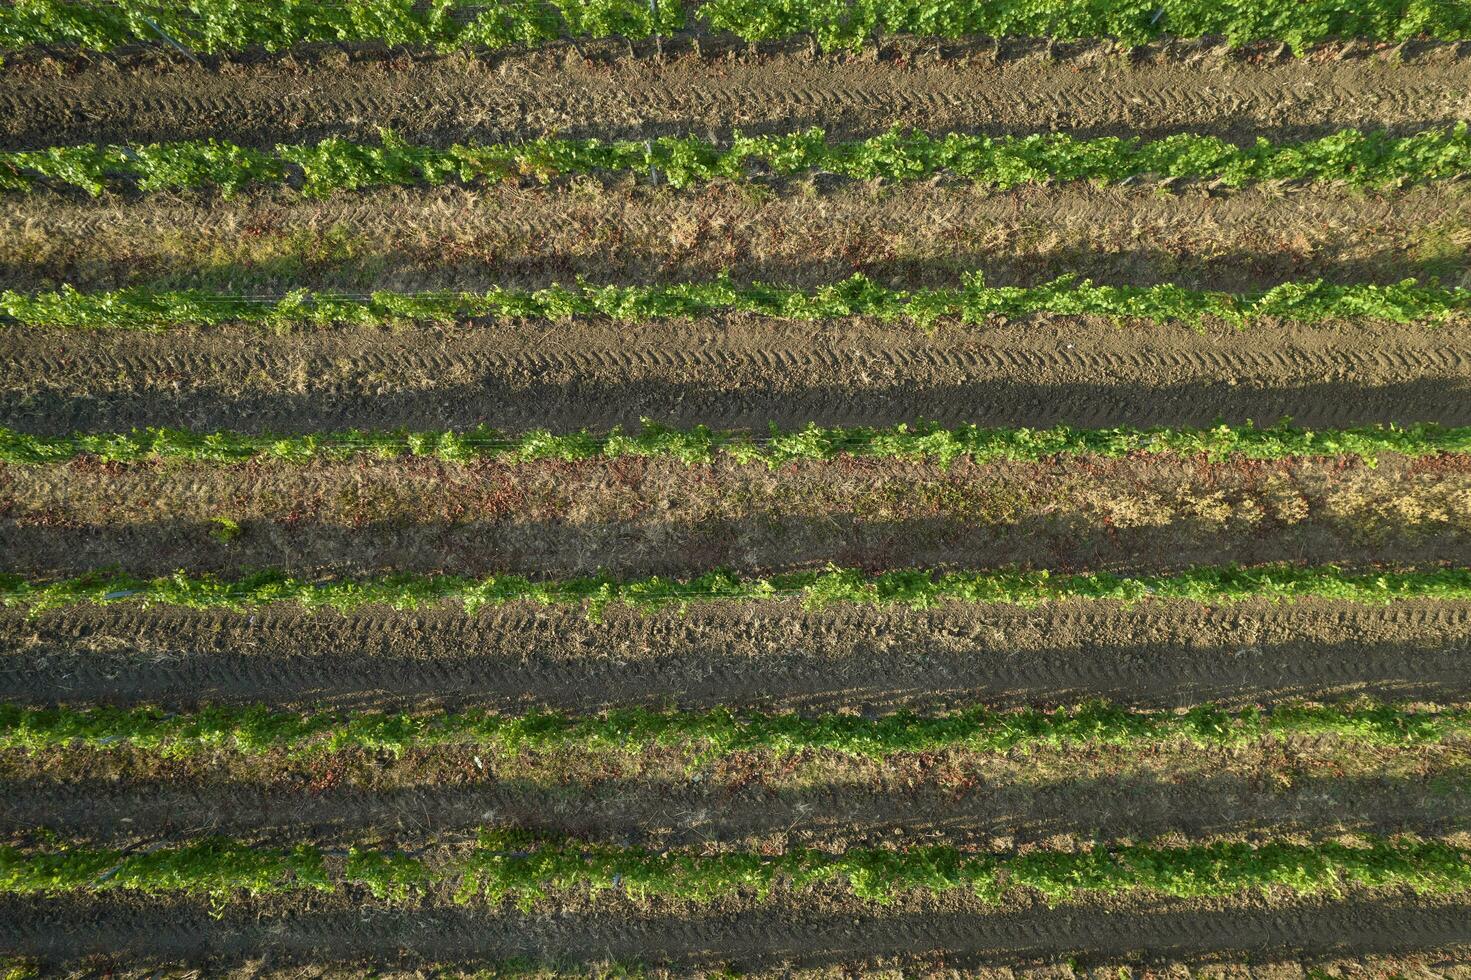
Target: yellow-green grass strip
(258,729)
(909,588)
(516,866)
(925,441)
(974,303)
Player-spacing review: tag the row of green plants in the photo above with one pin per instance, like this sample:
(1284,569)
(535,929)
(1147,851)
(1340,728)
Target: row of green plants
(925,441)
(1315,301)
(259,729)
(516,866)
(228,25)
(1375,158)
(913,588)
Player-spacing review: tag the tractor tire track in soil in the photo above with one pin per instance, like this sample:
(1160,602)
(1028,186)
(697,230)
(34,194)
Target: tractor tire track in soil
(904,235)
(633,518)
(772,655)
(774,934)
(1102,807)
(457,99)
(733,373)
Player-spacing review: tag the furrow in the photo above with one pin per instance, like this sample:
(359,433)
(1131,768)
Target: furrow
(517,657)
(445,101)
(1106,807)
(742,938)
(733,374)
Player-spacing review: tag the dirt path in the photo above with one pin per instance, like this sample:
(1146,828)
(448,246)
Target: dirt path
(772,935)
(1099,806)
(905,235)
(634,517)
(456,99)
(735,373)
(771,655)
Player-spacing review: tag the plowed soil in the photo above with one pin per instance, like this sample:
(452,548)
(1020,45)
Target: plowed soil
(733,373)
(1309,788)
(635,517)
(777,934)
(458,99)
(806,234)
(772,655)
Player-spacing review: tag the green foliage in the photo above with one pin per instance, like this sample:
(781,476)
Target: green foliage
(914,588)
(925,441)
(1375,158)
(503,868)
(233,25)
(257,729)
(224,25)
(215,867)
(145,308)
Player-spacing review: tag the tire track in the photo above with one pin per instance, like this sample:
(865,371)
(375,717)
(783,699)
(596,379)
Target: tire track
(774,656)
(445,101)
(634,518)
(649,813)
(909,234)
(775,935)
(736,373)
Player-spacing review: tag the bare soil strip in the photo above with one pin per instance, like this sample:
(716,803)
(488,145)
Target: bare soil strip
(1155,655)
(771,935)
(459,99)
(635,517)
(937,803)
(733,373)
(908,234)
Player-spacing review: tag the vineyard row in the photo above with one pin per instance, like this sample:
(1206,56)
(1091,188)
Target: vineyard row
(1314,301)
(258,729)
(915,588)
(512,865)
(1373,158)
(229,25)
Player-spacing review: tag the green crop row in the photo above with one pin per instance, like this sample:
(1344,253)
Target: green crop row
(258,729)
(1367,158)
(914,588)
(516,866)
(226,25)
(924,441)
(142,308)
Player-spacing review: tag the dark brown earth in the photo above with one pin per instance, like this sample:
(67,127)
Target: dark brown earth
(733,373)
(769,654)
(1083,793)
(810,934)
(1158,92)
(636,517)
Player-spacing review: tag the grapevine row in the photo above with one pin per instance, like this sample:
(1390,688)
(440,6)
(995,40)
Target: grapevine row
(512,865)
(1374,158)
(258,729)
(228,25)
(702,445)
(1315,301)
(914,588)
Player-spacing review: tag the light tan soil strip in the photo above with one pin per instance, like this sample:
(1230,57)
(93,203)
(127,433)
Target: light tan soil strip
(635,517)
(459,98)
(904,235)
(1155,655)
